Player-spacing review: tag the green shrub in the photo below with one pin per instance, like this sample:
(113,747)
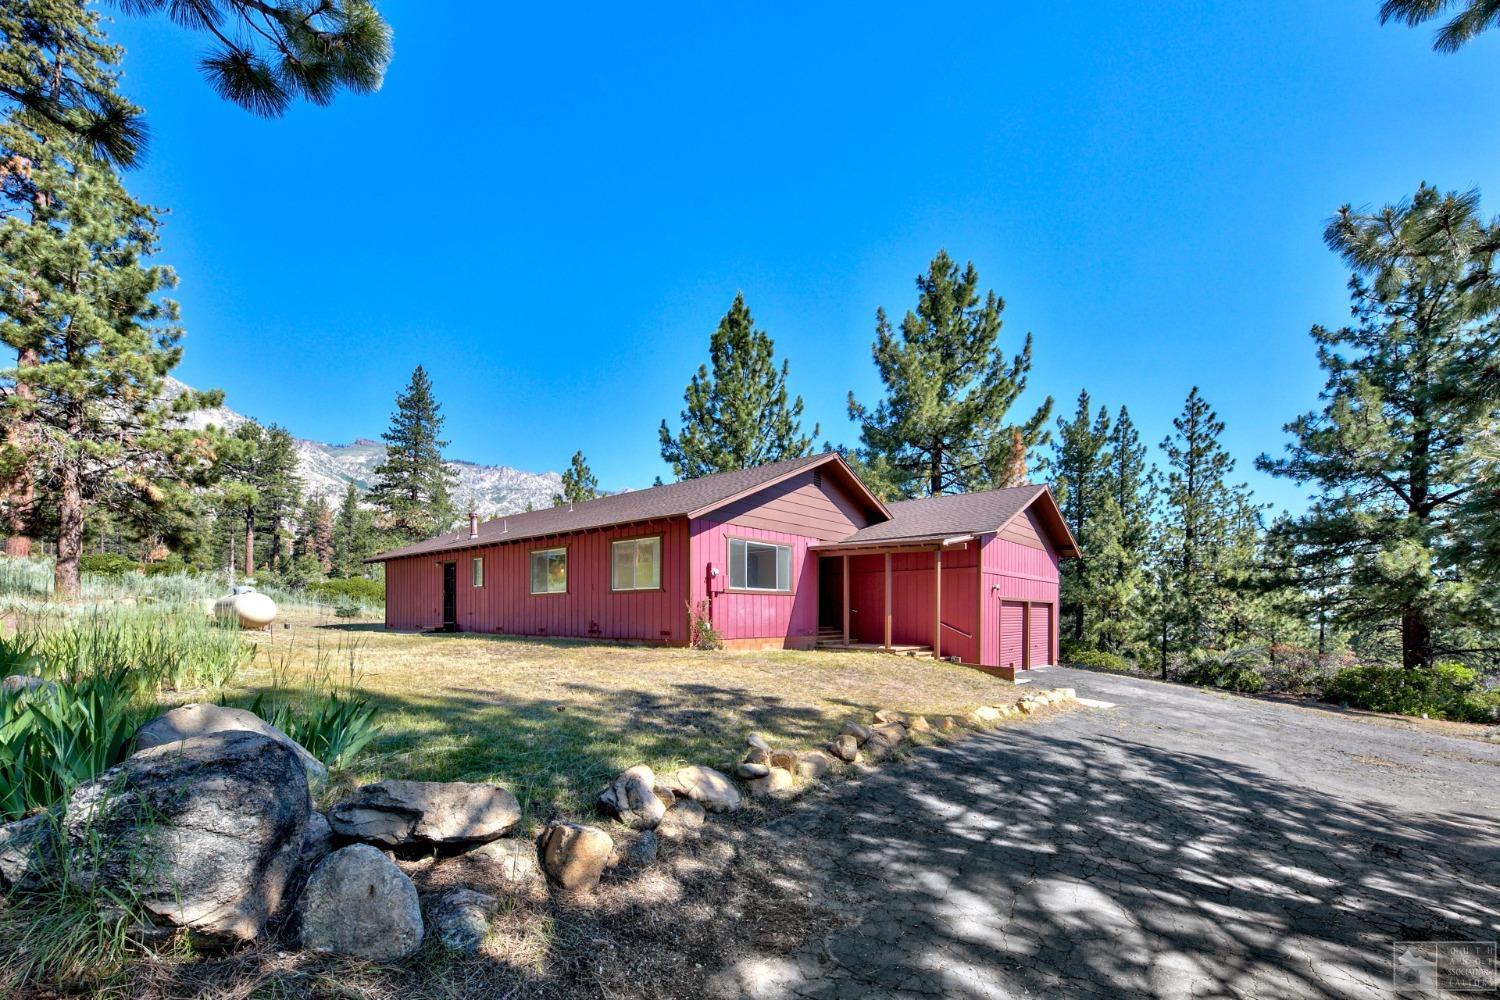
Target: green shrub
(1098,659)
(172,565)
(1240,670)
(1446,691)
(110,564)
(355,589)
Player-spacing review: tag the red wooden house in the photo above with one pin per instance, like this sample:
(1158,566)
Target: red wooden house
(794,554)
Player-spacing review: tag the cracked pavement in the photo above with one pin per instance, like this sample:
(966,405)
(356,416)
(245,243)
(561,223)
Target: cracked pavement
(1184,843)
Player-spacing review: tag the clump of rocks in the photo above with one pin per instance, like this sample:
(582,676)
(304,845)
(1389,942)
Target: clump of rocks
(208,828)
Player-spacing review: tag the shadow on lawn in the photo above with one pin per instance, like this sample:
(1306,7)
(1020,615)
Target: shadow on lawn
(557,754)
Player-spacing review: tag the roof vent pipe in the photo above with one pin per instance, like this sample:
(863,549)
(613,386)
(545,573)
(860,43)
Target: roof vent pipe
(473,524)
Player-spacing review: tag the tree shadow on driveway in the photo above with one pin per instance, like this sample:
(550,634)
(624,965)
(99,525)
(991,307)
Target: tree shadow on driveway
(1031,861)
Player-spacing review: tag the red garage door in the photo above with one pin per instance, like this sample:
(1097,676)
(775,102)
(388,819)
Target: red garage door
(1039,641)
(1012,633)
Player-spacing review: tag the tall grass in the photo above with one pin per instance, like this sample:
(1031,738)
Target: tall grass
(27,584)
(325,714)
(161,649)
(32,579)
(104,669)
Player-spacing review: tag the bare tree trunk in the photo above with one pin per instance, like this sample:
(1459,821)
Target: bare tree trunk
(22,492)
(1416,640)
(249,544)
(65,577)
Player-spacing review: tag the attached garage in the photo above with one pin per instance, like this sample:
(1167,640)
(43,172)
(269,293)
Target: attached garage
(1012,635)
(1039,634)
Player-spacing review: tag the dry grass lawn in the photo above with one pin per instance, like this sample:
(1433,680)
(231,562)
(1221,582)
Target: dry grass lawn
(556,720)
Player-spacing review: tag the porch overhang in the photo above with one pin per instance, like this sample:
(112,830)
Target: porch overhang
(886,548)
(926,544)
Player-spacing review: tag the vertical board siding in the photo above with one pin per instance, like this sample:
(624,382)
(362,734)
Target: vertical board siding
(912,599)
(1015,571)
(414,589)
(791,619)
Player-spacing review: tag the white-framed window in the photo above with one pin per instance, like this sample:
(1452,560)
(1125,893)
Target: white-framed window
(549,571)
(635,564)
(476,571)
(760,566)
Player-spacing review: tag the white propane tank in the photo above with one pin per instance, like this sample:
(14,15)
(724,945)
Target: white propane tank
(251,609)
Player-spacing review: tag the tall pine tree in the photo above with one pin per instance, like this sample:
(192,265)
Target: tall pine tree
(82,306)
(1080,463)
(737,412)
(1131,483)
(352,536)
(280,490)
(578,482)
(317,533)
(941,427)
(1405,442)
(1203,523)
(413,488)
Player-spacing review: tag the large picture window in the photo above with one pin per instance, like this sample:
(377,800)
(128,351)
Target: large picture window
(549,571)
(760,566)
(635,564)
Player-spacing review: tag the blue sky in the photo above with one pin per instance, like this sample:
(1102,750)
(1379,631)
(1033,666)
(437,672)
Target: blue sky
(551,208)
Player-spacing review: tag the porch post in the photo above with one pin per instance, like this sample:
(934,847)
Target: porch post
(887,602)
(846,598)
(937,603)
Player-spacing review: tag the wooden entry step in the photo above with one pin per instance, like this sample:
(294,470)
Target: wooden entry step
(837,644)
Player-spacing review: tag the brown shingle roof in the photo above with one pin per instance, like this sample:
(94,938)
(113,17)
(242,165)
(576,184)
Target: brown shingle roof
(963,514)
(691,496)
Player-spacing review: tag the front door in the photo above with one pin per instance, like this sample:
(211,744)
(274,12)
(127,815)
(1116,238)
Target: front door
(831,594)
(450,596)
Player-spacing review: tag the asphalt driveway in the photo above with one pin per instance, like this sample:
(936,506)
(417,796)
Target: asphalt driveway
(1181,844)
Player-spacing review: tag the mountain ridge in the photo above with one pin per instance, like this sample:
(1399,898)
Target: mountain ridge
(326,470)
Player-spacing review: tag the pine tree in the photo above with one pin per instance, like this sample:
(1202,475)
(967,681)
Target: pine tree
(238,492)
(736,413)
(578,483)
(1132,485)
(82,306)
(1471,18)
(280,491)
(941,426)
(51,54)
(1113,579)
(1080,464)
(1404,444)
(318,533)
(269,52)
(352,535)
(413,487)
(1204,520)
(58,88)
